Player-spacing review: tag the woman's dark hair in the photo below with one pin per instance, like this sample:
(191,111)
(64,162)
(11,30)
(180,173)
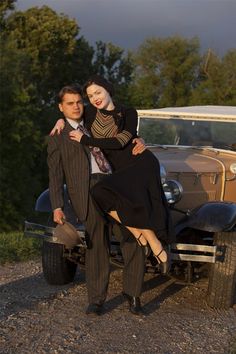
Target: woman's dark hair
(74,88)
(100,81)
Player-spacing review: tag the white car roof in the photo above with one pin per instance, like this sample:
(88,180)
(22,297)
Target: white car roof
(215,113)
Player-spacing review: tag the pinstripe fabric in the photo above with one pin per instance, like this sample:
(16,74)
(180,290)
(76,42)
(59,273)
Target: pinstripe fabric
(69,161)
(134,261)
(97,256)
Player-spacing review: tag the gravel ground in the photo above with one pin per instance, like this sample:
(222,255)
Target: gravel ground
(38,318)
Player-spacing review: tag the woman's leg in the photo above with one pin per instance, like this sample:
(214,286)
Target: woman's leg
(146,236)
(136,232)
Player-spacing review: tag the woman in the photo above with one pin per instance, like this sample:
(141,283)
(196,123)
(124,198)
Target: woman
(133,194)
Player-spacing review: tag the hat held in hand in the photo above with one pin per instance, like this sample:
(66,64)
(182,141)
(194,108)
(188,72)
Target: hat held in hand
(67,235)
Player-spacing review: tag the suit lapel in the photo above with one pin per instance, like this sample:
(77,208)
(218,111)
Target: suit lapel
(68,128)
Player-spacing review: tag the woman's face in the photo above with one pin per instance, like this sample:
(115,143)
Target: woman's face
(99,97)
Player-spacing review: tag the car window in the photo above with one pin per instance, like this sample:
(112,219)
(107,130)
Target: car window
(188,132)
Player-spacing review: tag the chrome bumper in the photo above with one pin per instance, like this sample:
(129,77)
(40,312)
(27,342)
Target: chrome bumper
(194,253)
(45,232)
(179,251)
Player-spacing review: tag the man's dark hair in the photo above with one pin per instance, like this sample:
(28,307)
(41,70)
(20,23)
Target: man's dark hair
(74,88)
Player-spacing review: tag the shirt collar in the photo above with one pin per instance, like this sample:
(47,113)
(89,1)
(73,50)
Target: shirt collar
(74,124)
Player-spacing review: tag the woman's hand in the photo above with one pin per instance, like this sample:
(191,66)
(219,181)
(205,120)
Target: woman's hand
(76,135)
(58,127)
(139,146)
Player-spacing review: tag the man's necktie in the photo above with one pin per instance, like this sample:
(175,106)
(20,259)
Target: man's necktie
(100,159)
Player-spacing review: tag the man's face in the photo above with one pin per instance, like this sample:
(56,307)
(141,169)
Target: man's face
(72,106)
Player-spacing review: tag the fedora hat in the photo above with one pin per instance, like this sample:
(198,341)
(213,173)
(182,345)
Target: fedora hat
(67,235)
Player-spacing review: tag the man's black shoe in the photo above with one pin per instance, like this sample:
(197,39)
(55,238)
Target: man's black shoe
(94,309)
(134,304)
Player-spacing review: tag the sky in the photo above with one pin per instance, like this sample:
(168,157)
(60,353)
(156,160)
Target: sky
(127,23)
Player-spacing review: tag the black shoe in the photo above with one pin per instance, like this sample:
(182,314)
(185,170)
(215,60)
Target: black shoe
(163,266)
(134,304)
(94,309)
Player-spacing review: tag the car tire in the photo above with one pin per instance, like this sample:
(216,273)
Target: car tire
(222,275)
(57,269)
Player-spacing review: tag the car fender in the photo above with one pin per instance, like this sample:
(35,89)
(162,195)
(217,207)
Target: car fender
(211,217)
(43,203)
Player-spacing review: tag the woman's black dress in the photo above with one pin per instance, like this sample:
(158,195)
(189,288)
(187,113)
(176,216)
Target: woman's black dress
(134,189)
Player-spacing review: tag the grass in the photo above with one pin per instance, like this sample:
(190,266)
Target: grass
(15,247)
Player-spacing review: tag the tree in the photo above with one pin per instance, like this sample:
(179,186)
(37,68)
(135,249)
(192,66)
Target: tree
(50,41)
(218,80)
(5,7)
(166,72)
(41,52)
(111,62)
(20,140)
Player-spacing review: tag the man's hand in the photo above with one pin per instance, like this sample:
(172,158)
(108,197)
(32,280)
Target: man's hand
(58,127)
(58,216)
(139,146)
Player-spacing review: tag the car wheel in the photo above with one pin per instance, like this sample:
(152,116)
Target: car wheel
(57,269)
(222,275)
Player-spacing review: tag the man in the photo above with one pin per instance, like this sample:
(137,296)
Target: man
(77,164)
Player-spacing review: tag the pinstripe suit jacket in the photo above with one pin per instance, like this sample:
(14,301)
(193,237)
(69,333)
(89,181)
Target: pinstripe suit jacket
(69,162)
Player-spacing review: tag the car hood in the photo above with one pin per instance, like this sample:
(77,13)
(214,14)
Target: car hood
(195,160)
(202,172)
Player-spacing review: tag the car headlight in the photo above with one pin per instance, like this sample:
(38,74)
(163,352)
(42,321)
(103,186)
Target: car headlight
(232,168)
(173,191)
(163,173)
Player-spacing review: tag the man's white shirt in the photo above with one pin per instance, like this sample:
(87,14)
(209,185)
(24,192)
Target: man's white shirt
(94,165)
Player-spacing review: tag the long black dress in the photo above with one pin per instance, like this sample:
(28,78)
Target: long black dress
(134,189)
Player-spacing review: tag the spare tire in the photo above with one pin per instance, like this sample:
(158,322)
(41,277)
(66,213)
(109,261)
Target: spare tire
(57,269)
(222,276)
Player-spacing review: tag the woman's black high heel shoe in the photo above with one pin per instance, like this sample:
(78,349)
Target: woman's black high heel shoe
(164,266)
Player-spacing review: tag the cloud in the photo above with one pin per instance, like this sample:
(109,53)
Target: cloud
(127,23)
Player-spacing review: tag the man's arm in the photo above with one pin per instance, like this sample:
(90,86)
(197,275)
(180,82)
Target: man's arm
(56,180)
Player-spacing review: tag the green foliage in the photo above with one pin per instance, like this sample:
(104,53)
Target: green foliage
(41,51)
(5,7)
(54,53)
(38,58)
(218,80)
(111,62)
(166,72)
(14,247)
(20,140)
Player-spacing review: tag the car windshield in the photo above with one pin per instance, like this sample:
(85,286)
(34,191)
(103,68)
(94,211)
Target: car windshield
(188,132)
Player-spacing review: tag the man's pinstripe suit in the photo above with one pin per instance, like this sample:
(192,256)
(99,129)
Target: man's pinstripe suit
(69,162)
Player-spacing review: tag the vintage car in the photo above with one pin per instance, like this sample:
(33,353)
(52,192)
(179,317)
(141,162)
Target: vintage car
(197,150)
